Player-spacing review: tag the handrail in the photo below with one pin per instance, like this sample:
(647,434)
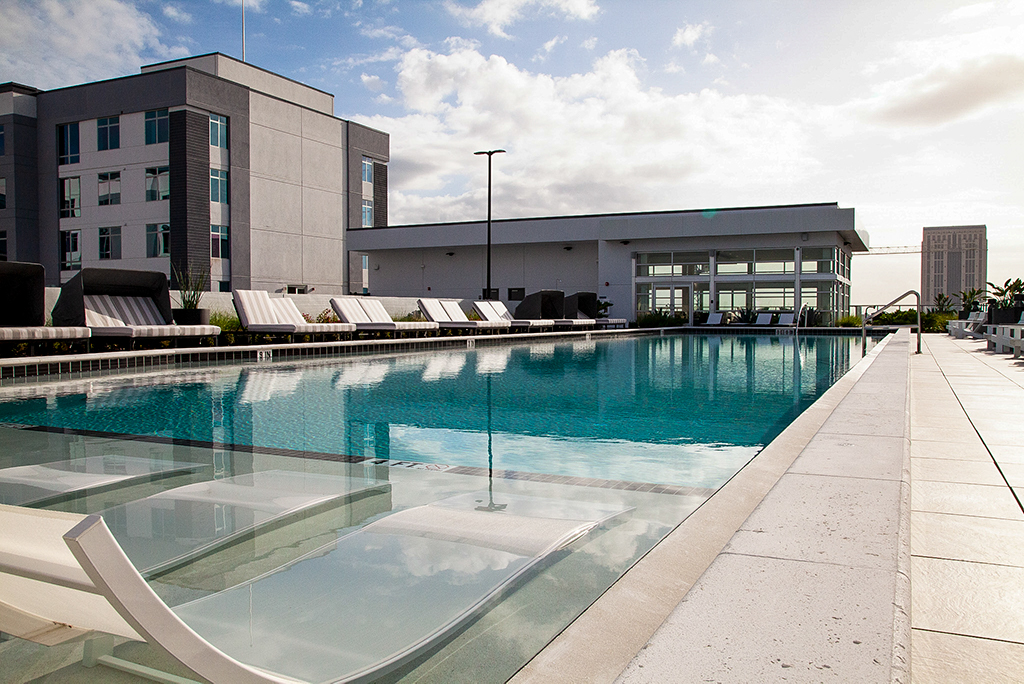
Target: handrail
(869,316)
(800,313)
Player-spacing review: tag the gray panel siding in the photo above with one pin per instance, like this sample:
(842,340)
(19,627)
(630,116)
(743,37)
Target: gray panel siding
(18,166)
(189,156)
(380,195)
(231,100)
(364,142)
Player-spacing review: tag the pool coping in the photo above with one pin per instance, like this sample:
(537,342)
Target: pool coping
(609,642)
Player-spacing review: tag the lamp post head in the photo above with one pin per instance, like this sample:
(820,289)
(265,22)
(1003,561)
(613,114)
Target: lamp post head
(490,152)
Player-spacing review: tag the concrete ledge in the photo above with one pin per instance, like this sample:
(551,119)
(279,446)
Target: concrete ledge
(677,591)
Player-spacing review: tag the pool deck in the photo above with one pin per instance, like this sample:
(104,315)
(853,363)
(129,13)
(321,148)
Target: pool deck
(877,539)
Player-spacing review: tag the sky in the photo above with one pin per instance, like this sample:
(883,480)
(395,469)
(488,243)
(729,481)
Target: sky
(908,112)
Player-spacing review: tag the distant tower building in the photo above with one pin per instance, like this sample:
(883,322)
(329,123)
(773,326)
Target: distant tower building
(953,259)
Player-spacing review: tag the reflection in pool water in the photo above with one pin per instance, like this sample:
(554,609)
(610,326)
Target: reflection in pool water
(272,510)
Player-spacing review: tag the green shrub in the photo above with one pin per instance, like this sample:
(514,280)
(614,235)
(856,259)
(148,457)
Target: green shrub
(225,321)
(849,322)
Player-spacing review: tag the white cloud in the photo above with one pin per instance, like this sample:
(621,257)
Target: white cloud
(710,59)
(968,12)
(946,78)
(594,141)
(589,43)
(689,35)
(299,8)
(372,83)
(49,44)
(497,15)
(548,47)
(254,5)
(177,14)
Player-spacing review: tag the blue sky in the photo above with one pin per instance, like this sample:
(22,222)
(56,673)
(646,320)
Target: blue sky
(910,112)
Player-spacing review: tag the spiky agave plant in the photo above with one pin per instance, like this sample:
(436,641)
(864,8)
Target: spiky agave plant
(191,285)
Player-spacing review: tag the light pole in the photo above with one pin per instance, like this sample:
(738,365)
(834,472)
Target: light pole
(489,153)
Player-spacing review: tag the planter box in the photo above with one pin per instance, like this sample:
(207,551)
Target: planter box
(1004,316)
(191,316)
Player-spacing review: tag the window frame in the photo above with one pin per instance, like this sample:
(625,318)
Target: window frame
(109,243)
(367,218)
(3,193)
(70,195)
(111,197)
(157,126)
(367,170)
(158,183)
(219,191)
(3,144)
(108,133)
(220,241)
(3,245)
(218,131)
(74,263)
(69,144)
(158,240)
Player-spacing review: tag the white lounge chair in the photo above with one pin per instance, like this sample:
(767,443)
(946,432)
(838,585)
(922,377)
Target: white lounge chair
(497,311)
(787,320)
(449,315)
(63,577)
(369,315)
(714,319)
(259,313)
(763,319)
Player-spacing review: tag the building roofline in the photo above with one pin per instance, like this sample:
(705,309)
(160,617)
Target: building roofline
(711,211)
(233,59)
(11,86)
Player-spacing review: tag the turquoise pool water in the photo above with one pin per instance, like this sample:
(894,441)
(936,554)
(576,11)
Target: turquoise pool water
(428,518)
(682,410)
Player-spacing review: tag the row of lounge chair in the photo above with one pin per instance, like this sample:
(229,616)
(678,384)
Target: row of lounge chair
(786,320)
(1007,337)
(258,312)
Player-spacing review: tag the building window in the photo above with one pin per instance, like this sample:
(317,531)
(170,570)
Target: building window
(70,197)
(220,242)
(158,183)
(3,245)
(219,185)
(157,127)
(774,262)
(108,133)
(367,170)
(158,239)
(2,150)
(110,243)
(736,262)
(367,213)
(70,250)
(218,131)
(3,193)
(110,188)
(818,260)
(67,144)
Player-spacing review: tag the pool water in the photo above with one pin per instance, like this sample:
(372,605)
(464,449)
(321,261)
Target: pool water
(416,517)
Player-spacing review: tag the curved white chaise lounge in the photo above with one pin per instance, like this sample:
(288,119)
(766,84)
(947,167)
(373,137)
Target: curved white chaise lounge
(64,577)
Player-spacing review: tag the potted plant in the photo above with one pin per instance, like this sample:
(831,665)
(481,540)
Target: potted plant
(1007,307)
(970,300)
(191,287)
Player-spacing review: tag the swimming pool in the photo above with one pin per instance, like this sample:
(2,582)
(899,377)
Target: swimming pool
(628,434)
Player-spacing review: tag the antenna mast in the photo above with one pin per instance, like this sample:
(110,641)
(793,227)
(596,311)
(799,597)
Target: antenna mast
(243,30)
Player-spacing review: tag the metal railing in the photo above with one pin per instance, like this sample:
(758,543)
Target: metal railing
(869,316)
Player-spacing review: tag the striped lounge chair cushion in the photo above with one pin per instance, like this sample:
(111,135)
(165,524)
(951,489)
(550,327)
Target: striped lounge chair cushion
(287,312)
(43,332)
(257,312)
(120,316)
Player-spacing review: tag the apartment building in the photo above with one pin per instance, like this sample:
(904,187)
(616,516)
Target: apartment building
(206,163)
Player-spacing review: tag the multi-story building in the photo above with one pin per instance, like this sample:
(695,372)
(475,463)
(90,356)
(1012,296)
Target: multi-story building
(779,258)
(206,163)
(953,259)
